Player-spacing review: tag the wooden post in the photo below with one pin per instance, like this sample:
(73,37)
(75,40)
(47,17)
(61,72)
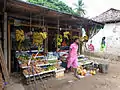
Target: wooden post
(1,81)
(4,66)
(71,36)
(46,42)
(79,44)
(58,30)
(9,49)
(5,36)
(0,35)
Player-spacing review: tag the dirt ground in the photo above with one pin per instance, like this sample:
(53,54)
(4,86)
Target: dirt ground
(110,81)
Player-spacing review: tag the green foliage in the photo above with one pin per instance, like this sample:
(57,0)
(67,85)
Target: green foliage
(56,5)
(80,8)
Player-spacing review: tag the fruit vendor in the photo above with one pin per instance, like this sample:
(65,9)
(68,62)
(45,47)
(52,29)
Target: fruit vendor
(72,60)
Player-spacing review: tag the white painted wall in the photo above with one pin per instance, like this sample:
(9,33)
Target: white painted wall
(112,34)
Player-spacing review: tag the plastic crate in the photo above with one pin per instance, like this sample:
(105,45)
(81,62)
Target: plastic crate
(59,73)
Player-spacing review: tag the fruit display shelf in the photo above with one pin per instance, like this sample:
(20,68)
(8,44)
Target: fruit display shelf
(39,65)
(85,62)
(49,62)
(32,51)
(41,73)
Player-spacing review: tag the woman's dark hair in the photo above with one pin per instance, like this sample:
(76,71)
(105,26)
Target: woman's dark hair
(103,38)
(75,39)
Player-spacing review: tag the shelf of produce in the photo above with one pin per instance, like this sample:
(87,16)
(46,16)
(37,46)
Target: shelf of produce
(52,59)
(40,56)
(61,69)
(33,51)
(39,65)
(85,62)
(45,72)
(24,67)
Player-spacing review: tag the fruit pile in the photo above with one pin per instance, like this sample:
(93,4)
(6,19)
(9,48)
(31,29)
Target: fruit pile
(51,68)
(36,63)
(36,70)
(37,54)
(23,60)
(23,57)
(93,72)
(83,72)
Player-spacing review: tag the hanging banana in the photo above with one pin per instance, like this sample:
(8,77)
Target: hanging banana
(38,38)
(66,34)
(59,40)
(20,37)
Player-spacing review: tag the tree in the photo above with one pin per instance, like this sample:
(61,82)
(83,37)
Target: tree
(80,8)
(56,5)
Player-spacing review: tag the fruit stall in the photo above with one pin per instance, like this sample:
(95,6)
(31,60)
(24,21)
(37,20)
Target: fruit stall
(35,63)
(37,38)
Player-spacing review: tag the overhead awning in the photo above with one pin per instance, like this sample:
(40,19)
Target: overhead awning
(21,9)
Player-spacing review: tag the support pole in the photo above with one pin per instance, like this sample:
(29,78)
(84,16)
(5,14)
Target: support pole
(58,29)
(46,43)
(9,50)
(5,37)
(79,37)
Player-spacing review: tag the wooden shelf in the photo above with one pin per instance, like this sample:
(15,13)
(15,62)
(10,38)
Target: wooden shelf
(45,72)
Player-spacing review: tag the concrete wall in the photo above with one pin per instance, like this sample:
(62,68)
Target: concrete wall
(112,34)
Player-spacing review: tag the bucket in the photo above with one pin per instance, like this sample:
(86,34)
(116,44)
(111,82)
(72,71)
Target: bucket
(103,68)
(64,64)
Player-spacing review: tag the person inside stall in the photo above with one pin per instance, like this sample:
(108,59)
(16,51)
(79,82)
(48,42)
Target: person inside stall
(53,45)
(54,49)
(64,43)
(72,60)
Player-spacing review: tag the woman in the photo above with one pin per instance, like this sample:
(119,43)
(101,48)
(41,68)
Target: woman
(103,44)
(72,60)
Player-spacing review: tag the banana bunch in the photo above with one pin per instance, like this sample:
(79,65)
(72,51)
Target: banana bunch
(20,35)
(44,35)
(39,37)
(75,37)
(59,40)
(85,38)
(66,34)
(81,39)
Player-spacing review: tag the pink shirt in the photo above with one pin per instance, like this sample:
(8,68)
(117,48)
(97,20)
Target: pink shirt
(73,51)
(91,47)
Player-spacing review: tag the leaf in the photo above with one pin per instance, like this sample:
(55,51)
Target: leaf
(56,5)
(80,8)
